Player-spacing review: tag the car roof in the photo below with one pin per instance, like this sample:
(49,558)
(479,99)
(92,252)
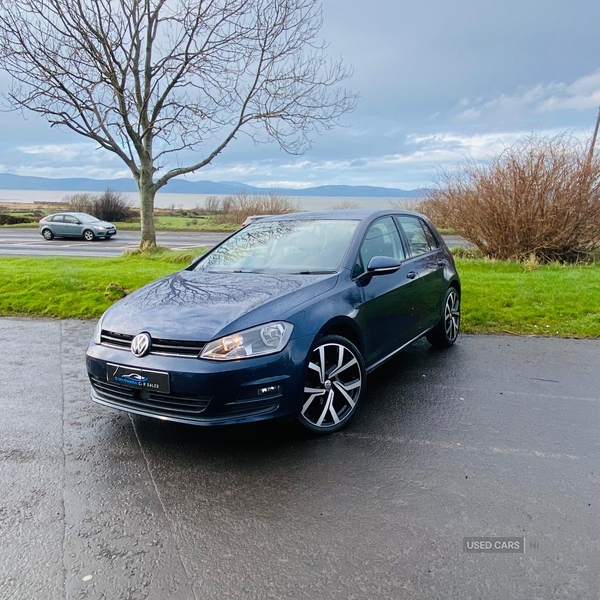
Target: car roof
(360,214)
(72,213)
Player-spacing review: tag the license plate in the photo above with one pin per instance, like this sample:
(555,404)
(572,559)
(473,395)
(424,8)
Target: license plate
(155,381)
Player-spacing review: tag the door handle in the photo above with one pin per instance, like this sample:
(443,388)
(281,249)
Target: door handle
(411,274)
(441,263)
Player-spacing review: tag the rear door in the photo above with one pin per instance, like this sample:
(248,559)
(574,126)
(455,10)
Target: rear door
(388,312)
(58,225)
(428,260)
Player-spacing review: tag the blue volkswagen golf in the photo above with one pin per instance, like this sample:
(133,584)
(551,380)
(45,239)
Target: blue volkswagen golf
(285,318)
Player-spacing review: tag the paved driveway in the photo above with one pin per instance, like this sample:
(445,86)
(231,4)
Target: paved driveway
(496,437)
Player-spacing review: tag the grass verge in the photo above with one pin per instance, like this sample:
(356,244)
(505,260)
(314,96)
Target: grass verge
(80,287)
(165,223)
(498,297)
(551,300)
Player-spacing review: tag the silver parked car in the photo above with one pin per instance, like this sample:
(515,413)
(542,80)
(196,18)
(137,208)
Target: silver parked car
(76,224)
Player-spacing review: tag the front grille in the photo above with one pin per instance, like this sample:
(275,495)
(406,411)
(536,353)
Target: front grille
(159,346)
(165,405)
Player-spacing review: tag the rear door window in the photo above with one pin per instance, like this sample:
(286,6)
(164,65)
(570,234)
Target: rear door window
(419,236)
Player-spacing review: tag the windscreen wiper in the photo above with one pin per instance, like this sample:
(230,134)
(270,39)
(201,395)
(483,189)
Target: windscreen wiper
(313,273)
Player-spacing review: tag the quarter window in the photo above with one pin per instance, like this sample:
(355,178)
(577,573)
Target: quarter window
(420,238)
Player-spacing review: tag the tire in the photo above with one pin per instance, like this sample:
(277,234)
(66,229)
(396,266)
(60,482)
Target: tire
(48,235)
(88,235)
(445,333)
(335,383)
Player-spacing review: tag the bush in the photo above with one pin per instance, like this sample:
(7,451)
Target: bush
(112,206)
(235,209)
(83,203)
(108,206)
(6,219)
(213,205)
(538,200)
(345,204)
(470,253)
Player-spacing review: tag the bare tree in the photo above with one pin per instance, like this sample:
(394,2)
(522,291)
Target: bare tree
(164,83)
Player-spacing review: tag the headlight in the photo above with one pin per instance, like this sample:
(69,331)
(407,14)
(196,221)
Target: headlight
(98,330)
(257,341)
(100,228)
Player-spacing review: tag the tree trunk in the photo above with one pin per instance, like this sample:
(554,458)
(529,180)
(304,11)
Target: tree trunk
(147,193)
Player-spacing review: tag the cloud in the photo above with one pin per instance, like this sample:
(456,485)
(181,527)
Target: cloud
(581,94)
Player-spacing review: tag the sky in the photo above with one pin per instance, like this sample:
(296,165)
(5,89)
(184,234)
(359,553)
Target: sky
(439,82)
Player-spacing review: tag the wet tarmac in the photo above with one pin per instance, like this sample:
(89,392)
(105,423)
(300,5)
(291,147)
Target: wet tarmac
(29,242)
(497,436)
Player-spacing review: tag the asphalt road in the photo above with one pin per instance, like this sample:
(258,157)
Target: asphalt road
(495,437)
(28,242)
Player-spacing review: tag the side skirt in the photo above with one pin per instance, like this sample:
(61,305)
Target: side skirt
(392,354)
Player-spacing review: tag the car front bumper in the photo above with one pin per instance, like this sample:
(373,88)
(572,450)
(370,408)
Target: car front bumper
(205,392)
(106,233)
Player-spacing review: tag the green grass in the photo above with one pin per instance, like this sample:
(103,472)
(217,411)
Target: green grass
(80,287)
(553,300)
(20,226)
(200,223)
(498,297)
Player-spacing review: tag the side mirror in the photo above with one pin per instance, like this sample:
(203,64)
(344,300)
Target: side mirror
(381,265)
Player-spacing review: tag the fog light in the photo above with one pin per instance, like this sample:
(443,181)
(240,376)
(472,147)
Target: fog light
(269,391)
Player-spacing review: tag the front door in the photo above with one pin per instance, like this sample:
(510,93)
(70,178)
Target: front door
(388,312)
(72,227)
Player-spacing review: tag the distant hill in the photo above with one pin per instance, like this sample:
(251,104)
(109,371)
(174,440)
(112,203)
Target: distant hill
(9,181)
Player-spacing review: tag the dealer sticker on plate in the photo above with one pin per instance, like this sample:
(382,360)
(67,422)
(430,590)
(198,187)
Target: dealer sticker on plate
(156,381)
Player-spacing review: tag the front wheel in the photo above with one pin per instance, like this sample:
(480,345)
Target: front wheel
(335,383)
(444,334)
(88,235)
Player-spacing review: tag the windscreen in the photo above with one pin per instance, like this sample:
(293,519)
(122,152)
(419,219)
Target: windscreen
(298,246)
(86,218)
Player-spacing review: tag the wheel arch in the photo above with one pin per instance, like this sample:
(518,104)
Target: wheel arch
(345,327)
(455,283)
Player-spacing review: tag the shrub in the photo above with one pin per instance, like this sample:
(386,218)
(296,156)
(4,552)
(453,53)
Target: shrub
(112,206)
(345,204)
(537,200)
(108,206)
(213,205)
(6,219)
(80,203)
(235,209)
(470,252)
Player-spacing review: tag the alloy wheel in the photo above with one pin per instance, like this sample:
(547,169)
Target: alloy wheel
(333,387)
(88,235)
(452,315)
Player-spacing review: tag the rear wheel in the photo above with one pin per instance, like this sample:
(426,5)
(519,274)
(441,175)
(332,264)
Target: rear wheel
(335,383)
(48,235)
(444,334)
(88,235)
